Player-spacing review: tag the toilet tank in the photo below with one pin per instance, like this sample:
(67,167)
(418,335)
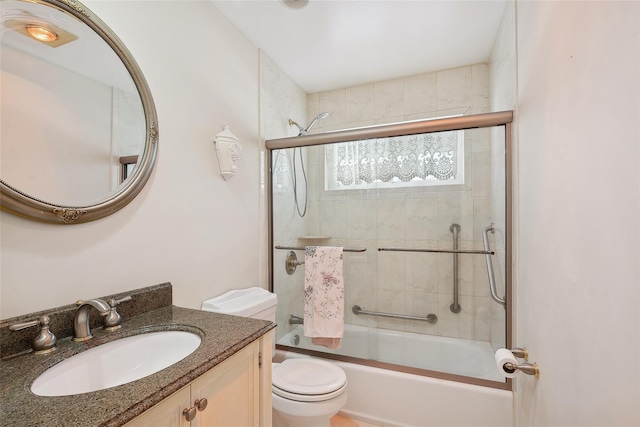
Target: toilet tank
(252,302)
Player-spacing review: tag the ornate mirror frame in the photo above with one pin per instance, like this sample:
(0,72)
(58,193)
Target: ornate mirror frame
(18,202)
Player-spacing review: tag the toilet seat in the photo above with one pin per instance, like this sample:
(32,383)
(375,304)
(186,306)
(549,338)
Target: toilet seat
(307,380)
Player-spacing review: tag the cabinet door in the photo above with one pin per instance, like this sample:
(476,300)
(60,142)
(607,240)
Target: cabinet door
(231,390)
(266,348)
(167,413)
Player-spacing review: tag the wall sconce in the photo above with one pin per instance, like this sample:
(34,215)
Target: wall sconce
(228,150)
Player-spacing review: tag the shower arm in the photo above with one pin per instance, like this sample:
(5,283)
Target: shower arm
(300,128)
(313,122)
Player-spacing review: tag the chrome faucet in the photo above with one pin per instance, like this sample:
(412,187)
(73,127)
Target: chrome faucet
(81,328)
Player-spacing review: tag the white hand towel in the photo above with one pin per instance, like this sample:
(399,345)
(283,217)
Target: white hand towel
(324,295)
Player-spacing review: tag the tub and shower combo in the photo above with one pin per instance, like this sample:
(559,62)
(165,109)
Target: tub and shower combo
(422,211)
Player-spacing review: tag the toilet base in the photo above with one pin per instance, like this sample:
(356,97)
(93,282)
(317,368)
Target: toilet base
(306,414)
(284,420)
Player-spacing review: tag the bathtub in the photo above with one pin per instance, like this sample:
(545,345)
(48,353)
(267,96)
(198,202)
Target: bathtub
(392,399)
(442,354)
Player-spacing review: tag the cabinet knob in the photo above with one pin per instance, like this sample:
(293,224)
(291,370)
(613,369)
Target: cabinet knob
(189,413)
(201,404)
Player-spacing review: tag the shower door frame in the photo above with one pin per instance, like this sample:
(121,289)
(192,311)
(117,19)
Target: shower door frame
(475,121)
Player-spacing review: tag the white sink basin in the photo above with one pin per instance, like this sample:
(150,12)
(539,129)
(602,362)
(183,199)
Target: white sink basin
(116,363)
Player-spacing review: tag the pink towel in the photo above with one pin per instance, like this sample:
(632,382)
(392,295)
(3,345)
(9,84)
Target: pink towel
(324,295)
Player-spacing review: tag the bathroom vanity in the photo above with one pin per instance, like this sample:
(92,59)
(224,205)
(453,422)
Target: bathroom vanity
(227,395)
(225,381)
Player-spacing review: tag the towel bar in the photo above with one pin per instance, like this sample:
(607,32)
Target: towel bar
(291,261)
(298,248)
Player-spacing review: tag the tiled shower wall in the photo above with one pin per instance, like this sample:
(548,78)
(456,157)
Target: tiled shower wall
(282,99)
(400,282)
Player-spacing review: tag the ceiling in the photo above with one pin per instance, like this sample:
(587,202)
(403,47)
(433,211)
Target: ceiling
(331,44)
(103,65)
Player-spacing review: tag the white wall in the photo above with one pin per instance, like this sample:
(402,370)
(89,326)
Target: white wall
(74,130)
(579,212)
(187,226)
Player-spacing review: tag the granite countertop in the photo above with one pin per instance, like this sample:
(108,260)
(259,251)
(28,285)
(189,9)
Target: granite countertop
(222,336)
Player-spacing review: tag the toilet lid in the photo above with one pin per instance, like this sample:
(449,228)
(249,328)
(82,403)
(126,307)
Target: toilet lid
(307,380)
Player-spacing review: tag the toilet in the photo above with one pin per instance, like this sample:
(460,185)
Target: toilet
(306,392)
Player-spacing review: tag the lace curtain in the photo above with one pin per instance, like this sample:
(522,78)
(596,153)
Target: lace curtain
(425,159)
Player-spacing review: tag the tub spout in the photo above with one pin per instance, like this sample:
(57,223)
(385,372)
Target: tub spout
(295,320)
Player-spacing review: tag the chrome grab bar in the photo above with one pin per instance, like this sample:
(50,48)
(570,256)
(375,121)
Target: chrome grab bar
(298,248)
(431,318)
(492,279)
(455,305)
(440,251)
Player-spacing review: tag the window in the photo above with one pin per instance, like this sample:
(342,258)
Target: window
(401,161)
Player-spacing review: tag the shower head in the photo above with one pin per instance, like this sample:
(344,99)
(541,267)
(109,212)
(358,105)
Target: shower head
(315,119)
(303,131)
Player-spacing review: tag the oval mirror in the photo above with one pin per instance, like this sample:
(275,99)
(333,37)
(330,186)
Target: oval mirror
(79,128)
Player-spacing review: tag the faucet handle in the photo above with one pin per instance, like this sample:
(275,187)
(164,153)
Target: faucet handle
(121,300)
(45,341)
(113,319)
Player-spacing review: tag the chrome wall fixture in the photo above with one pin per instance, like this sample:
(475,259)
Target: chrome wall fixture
(431,318)
(295,320)
(526,368)
(487,252)
(298,248)
(455,306)
(438,251)
(492,279)
(521,353)
(291,261)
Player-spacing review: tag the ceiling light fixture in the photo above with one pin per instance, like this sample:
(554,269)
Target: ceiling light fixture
(41,33)
(295,4)
(38,30)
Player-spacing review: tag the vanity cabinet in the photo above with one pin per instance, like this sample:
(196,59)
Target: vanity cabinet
(236,393)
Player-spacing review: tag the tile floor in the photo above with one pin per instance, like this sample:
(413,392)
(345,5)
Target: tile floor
(342,421)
